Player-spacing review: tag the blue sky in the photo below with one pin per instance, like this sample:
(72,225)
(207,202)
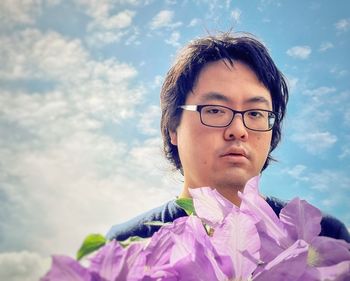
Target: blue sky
(80,147)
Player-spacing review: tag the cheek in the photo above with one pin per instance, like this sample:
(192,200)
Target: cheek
(262,144)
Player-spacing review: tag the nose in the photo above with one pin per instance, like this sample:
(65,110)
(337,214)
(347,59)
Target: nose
(236,130)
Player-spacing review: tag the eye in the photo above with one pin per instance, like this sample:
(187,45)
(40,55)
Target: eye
(256,114)
(214,110)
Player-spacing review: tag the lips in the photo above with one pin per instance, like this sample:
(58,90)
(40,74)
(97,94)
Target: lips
(235,152)
(235,156)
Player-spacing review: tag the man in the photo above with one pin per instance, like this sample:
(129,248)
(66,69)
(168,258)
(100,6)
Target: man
(223,102)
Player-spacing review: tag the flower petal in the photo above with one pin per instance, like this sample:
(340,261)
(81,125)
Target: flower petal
(254,205)
(331,251)
(68,269)
(198,264)
(252,186)
(210,205)
(302,220)
(108,261)
(238,238)
(287,266)
(336,272)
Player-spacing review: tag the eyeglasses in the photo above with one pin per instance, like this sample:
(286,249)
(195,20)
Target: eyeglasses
(219,116)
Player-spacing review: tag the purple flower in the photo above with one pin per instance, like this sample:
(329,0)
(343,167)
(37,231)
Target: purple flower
(267,221)
(234,232)
(189,253)
(211,206)
(68,269)
(299,221)
(246,243)
(112,262)
(238,238)
(287,266)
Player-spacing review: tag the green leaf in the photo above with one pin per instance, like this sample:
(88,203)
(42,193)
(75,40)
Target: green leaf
(157,223)
(187,205)
(130,240)
(90,244)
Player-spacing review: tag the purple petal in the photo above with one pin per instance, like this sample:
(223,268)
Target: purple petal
(330,251)
(155,258)
(302,220)
(288,266)
(178,248)
(134,261)
(252,186)
(198,266)
(210,205)
(108,261)
(254,205)
(159,248)
(238,238)
(338,272)
(194,257)
(68,269)
(269,248)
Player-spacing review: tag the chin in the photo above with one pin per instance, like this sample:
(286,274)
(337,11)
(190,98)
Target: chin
(236,183)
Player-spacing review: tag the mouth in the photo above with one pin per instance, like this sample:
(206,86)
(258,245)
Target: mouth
(235,154)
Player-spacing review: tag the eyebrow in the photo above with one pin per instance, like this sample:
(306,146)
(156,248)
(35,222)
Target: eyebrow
(214,96)
(258,99)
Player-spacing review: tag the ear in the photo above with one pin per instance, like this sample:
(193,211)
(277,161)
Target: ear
(173,137)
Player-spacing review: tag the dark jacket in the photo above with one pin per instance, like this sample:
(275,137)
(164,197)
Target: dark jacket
(170,211)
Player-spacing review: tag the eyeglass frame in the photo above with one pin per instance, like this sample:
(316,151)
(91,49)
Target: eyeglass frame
(198,108)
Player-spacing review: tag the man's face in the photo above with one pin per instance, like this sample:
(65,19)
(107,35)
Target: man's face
(223,158)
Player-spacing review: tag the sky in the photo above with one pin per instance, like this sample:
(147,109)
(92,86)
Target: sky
(80,145)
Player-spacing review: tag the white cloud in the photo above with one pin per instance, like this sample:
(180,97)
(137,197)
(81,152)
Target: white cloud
(157,82)
(22,12)
(29,54)
(292,82)
(326,46)
(299,52)
(63,165)
(194,22)
(22,266)
(338,71)
(69,175)
(150,120)
(315,142)
(321,91)
(325,181)
(342,25)
(297,172)
(147,159)
(164,19)
(236,15)
(310,124)
(345,152)
(346,115)
(174,39)
(134,38)
(102,38)
(97,87)
(107,25)
(115,22)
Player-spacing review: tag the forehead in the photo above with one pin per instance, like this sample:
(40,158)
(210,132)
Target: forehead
(229,83)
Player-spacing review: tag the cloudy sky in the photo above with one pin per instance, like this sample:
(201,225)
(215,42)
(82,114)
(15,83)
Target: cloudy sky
(80,148)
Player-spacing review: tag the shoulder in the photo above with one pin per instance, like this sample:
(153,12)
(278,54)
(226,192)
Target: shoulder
(330,226)
(137,226)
